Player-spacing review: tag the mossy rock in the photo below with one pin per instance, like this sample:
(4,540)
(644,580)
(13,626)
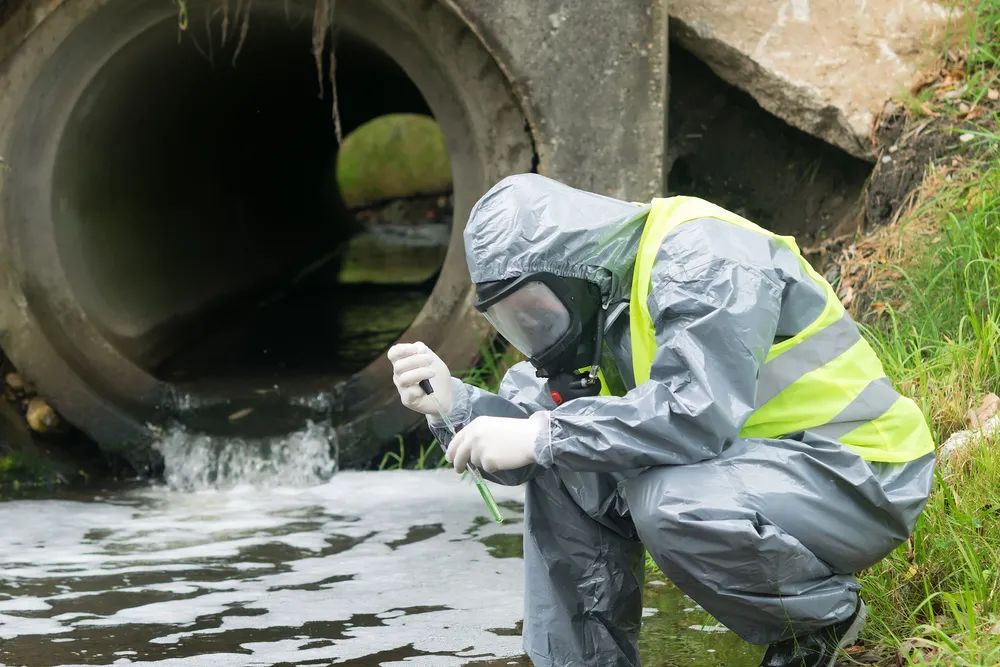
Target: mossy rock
(29,461)
(397,155)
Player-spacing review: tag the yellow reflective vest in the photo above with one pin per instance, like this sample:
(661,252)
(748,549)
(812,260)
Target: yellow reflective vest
(826,379)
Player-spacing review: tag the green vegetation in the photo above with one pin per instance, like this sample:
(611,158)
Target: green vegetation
(932,311)
(428,456)
(936,320)
(936,325)
(397,155)
(982,37)
(494,360)
(970,65)
(935,600)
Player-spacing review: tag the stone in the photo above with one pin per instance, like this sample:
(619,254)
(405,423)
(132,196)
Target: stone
(988,408)
(396,155)
(958,448)
(823,66)
(41,417)
(14,381)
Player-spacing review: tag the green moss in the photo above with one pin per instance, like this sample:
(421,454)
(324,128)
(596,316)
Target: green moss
(397,155)
(19,469)
(504,545)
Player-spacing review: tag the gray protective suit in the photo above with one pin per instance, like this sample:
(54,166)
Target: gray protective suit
(764,534)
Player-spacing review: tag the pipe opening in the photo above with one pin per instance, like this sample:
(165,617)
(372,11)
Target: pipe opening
(198,215)
(177,248)
(725,148)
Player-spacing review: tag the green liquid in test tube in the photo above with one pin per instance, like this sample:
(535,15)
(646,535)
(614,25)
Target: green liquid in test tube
(484,490)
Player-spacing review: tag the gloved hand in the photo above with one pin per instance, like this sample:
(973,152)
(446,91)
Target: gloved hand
(413,362)
(497,443)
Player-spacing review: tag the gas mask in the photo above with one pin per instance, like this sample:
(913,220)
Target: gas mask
(558,323)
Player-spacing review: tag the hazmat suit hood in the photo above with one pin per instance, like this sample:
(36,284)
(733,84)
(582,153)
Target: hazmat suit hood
(528,223)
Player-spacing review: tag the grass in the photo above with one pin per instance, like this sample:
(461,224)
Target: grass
(494,360)
(935,322)
(931,309)
(983,38)
(970,65)
(935,600)
(427,456)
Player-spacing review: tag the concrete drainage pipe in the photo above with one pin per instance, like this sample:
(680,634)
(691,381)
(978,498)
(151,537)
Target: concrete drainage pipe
(153,195)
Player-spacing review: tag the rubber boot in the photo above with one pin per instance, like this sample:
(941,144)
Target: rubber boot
(817,649)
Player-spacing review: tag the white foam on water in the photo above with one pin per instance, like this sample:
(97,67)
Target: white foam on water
(440,594)
(199,461)
(708,628)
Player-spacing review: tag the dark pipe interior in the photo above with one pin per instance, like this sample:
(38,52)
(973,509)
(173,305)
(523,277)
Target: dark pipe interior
(725,148)
(191,194)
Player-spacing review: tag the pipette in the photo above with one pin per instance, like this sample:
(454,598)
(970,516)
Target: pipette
(484,490)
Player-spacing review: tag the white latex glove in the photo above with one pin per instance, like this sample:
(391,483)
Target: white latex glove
(413,362)
(497,443)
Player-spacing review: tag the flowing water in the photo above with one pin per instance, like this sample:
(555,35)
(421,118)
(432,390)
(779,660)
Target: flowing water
(248,556)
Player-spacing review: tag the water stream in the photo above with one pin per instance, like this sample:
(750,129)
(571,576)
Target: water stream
(264,563)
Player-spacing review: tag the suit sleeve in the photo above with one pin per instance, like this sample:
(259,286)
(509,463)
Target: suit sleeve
(715,320)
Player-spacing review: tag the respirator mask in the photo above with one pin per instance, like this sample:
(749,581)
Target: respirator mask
(558,323)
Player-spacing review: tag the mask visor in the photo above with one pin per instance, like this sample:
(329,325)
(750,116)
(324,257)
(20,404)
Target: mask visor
(532,318)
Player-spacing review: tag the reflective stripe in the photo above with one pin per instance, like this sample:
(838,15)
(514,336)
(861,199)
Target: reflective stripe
(816,351)
(874,400)
(900,434)
(817,397)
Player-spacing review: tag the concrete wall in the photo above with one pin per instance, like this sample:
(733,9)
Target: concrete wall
(592,79)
